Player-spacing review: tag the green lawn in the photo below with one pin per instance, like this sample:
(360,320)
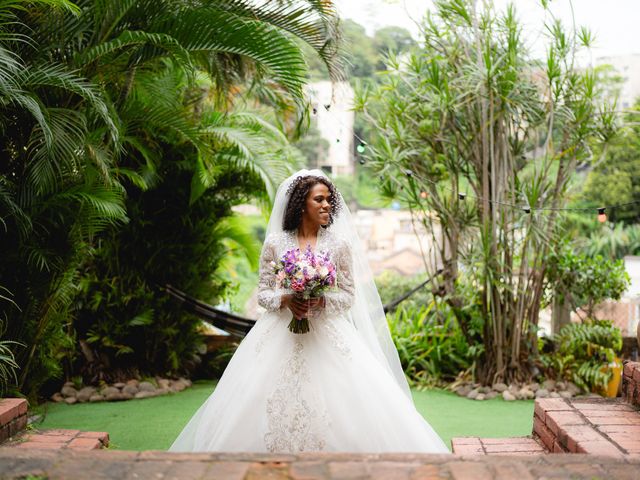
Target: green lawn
(152,424)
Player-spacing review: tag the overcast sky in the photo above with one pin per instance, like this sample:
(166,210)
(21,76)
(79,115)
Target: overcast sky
(615,23)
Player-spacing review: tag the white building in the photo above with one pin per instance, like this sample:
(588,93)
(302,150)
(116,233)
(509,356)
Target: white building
(332,107)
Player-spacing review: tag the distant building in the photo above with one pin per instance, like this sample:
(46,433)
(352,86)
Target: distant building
(333,104)
(391,243)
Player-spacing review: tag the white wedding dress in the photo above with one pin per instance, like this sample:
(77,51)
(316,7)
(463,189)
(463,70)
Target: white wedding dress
(319,391)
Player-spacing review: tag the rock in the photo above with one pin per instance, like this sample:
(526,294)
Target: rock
(554,395)
(57,397)
(534,386)
(573,388)
(68,391)
(463,391)
(186,381)
(114,397)
(133,382)
(96,398)
(491,395)
(560,386)
(499,387)
(147,387)
(177,386)
(508,396)
(119,385)
(70,400)
(481,396)
(549,385)
(542,393)
(473,394)
(513,389)
(484,390)
(109,391)
(130,389)
(525,393)
(162,391)
(126,396)
(85,394)
(144,394)
(164,383)
(566,394)
(69,384)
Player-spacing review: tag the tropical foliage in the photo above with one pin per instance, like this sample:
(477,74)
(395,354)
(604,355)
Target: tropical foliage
(583,351)
(115,113)
(480,141)
(432,348)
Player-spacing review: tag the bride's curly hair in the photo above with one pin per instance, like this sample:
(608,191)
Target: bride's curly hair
(298,192)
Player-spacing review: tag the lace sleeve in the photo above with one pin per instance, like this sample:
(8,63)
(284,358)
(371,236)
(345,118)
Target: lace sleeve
(341,300)
(268,294)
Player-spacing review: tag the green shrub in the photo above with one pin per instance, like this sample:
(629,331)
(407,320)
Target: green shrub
(581,352)
(392,285)
(431,345)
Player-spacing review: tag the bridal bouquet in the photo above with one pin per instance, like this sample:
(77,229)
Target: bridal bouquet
(309,275)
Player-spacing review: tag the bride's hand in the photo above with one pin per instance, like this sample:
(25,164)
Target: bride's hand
(297,306)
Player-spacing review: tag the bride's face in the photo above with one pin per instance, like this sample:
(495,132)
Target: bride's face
(317,206)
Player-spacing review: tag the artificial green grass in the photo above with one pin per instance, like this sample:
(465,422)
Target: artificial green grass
(153,423)
(454,416)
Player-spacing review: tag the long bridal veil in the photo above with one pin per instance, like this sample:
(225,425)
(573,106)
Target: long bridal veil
(367,313)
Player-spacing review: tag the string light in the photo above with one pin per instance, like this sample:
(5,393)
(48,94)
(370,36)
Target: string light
(315,111)
(602,217)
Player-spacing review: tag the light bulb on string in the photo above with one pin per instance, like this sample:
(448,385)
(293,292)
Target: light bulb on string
(327,107)
(602,217)
(360,148)
(423,194)
(362,162)
(462,196)
(526,209)
(315,111)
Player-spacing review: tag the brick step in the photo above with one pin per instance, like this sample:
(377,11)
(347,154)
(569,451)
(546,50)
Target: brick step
(631,383)
(595,425)
(13,417)
(497,446)
(57,439)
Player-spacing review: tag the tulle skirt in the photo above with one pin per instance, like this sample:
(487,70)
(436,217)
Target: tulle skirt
(320,391)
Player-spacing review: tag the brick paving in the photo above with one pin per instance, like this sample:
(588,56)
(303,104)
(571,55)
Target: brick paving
(114,464)
(601,426)
(59,439)
(497,446)
(631,383)
(13,417)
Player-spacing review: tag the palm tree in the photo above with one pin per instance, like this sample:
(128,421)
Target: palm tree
(75,80)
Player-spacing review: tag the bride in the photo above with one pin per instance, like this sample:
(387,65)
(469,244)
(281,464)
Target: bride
(339,387)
